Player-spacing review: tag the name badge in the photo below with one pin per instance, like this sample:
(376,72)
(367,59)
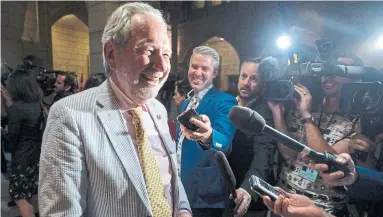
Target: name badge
(308,174)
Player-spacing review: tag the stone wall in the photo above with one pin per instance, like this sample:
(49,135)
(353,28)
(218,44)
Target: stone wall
(70,47)
(229,60)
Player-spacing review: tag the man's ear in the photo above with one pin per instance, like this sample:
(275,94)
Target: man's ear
(67,88)
(109,54)
(215,74)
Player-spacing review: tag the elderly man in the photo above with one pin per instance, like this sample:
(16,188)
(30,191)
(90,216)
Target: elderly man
(195,149)
(107,151)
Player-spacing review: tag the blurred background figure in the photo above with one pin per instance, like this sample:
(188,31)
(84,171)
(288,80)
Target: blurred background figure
(25,119)
(95,80)
(66,85)
(182,88)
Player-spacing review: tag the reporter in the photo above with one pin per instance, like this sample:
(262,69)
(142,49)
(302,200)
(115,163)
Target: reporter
(294,205)
(322,129)
(361,183)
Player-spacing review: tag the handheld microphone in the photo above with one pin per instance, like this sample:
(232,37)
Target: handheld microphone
(251,122)
(226,172)
(227,176)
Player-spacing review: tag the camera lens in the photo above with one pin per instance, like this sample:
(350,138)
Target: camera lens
(366,99)
(283,90)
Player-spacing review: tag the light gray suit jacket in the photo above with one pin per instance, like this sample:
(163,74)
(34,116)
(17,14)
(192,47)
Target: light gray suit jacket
(88,163)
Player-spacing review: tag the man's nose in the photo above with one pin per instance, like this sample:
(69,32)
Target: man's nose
(198,71)
(159,63)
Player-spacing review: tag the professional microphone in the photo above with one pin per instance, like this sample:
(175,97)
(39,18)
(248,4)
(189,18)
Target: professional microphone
(226,172)
(251,122)
(270,69)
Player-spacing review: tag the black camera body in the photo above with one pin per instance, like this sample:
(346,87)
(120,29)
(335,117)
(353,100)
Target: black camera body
(280,90)
(364,98)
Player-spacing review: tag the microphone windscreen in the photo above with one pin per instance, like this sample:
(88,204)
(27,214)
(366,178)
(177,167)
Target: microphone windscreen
(247,120)
(270,69)
(225,171)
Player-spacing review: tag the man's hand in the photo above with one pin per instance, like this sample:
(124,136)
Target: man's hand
(204,132)
(360,143)
(242,209)
(294,205)
(276,108)
(337,178)
(304,104)
(184,214)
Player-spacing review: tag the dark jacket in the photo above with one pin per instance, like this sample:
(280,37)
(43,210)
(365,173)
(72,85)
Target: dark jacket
(24,132)
(368,186)
(253,155)
(61,95)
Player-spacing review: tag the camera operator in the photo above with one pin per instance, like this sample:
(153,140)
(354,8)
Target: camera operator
(253,155)
(322,129)
(66,85)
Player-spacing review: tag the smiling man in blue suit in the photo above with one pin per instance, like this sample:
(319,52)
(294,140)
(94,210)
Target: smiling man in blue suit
(195,149)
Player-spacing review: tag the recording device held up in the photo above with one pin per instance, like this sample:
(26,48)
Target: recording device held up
(263,188)
(363,97)
(185,117)
(45,78)
(251,122)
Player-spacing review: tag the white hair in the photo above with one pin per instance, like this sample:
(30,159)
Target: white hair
(118,28)
(204,50)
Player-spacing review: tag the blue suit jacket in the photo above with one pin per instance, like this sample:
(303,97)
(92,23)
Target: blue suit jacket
(368,186)
(199,172)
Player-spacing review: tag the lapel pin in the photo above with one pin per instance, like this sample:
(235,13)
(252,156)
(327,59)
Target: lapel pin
(159,117)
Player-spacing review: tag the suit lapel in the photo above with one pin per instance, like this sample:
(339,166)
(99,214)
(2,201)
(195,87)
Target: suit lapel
(205,100)
(114,124)
(162,128)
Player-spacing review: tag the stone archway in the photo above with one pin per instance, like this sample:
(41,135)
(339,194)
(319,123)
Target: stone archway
(70,46)
(229,64)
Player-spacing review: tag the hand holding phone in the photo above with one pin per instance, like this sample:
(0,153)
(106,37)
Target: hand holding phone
(263,188)
(185,117)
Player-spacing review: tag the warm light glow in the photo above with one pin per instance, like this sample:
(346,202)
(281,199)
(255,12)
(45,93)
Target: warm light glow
(221,39)
(284,42)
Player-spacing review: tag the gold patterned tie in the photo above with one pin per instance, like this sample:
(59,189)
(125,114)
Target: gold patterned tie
(150,169)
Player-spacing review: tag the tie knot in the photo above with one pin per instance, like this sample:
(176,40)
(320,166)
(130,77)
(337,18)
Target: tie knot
(136,112)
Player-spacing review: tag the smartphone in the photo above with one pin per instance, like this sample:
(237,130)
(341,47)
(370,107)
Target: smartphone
(263,188)
(184,119)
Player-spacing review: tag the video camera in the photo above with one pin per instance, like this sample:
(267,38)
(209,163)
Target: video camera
(364,97)
(45,78)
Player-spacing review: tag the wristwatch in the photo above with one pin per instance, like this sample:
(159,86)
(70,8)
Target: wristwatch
(308,120)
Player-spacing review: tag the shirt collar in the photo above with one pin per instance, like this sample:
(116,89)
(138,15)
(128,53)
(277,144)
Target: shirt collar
(201,94)
(124,101)
(255,100)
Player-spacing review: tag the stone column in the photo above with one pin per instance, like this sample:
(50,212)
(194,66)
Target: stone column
(12,26)
(98,14)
